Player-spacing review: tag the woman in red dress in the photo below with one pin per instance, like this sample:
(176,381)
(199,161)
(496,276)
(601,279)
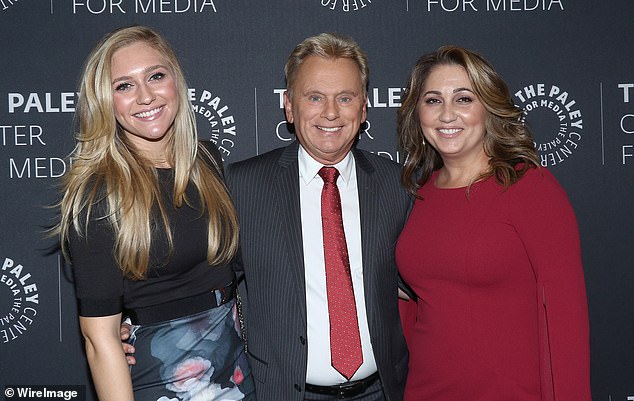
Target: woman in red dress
(491,248)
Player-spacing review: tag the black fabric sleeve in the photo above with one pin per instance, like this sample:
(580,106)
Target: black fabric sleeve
(99,282)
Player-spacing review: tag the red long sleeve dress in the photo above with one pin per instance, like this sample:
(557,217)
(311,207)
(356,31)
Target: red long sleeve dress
(502,311)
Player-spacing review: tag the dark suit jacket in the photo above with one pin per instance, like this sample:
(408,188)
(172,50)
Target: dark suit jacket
(265,190)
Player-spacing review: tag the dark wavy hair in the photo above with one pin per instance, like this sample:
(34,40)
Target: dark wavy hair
(507,142)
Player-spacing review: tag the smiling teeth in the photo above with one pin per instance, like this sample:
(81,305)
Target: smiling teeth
(449,131)
(329,129)
(147,114)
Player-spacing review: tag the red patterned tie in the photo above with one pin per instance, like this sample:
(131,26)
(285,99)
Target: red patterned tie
(345,341)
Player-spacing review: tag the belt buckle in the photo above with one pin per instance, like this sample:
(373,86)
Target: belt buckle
(219,294)
(222,295)
(344,390)
(350,389)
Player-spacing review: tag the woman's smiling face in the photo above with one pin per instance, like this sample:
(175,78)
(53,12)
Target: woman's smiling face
(451,116)
(145,96)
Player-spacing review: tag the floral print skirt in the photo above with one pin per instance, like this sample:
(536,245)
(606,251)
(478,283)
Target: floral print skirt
(195,358)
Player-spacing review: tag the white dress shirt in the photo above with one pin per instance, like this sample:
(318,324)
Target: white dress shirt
(320,370)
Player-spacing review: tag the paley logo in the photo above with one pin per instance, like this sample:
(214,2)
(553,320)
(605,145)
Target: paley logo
(345,5)
(37,102)
(555,120)
(215,122)
(20,300)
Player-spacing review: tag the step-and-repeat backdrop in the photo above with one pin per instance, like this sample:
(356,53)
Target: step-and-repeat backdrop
(569,63)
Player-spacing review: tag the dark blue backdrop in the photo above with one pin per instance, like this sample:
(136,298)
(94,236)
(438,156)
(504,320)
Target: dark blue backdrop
(567,61)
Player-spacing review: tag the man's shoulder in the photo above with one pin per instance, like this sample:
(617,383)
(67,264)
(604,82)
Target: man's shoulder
(385,175)
(260,163)
(264,158)
(382,164)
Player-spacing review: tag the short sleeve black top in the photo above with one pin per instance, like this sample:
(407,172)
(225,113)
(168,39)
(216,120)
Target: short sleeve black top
(101,288)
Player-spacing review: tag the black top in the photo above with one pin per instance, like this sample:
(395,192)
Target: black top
(101,288)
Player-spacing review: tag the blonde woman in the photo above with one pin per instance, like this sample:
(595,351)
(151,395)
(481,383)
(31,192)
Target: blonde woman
(150,231)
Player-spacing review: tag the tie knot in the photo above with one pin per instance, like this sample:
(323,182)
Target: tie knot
(329,174)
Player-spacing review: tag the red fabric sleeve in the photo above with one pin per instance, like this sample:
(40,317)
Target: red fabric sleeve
(546,223)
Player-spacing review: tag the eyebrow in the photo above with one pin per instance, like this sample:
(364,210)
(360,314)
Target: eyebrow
(434,92)
(145,71)
(349,92)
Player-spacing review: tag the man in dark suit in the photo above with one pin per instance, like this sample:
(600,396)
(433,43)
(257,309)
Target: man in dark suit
(286,251)
(277,196)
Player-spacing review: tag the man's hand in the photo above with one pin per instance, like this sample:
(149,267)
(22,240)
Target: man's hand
(128,349)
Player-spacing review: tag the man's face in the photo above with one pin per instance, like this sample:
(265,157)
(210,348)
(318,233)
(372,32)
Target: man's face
(327,107)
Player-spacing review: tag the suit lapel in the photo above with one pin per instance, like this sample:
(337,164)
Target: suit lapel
(287,193)
(369,214)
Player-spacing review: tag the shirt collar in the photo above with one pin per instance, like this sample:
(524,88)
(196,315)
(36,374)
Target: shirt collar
(309,167)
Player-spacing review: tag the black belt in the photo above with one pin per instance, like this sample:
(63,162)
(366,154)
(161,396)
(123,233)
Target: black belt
(344,390)
(183,307)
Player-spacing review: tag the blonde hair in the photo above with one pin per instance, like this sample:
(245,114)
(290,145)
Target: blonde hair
(107,169)
(328,46)
(507,141)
